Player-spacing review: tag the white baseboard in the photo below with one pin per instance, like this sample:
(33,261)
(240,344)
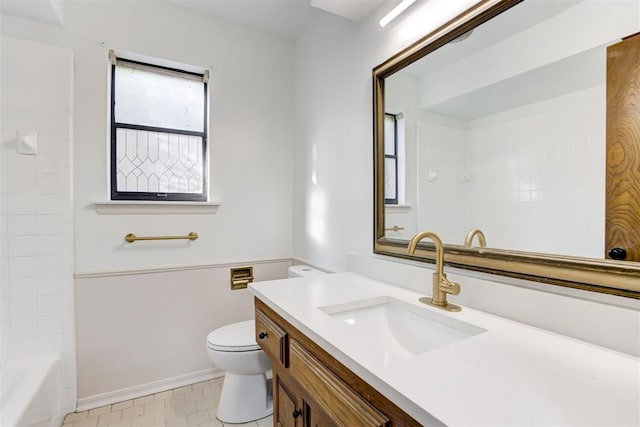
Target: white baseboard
(134,392)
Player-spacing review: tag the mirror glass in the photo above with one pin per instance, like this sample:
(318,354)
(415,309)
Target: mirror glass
(504,129)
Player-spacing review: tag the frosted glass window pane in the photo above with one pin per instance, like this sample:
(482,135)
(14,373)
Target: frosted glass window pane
(389,135)
(159,99)
(389,179)
(158,162)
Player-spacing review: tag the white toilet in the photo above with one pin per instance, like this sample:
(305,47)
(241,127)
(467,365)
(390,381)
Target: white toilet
(246,393)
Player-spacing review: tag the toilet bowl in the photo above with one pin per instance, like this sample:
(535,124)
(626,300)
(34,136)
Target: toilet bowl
(246,393)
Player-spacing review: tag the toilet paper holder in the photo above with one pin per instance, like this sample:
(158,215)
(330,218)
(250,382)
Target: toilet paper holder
(241,277)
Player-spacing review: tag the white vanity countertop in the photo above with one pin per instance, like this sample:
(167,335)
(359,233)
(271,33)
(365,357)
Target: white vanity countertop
(512,374)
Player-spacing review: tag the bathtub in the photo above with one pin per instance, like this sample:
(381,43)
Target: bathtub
(31,392)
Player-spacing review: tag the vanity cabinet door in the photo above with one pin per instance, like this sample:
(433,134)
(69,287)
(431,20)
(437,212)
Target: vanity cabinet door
(335,400)
(287,412)
(622,222)
(317,418)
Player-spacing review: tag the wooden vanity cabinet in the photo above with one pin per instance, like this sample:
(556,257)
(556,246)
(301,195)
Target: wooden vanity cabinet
(291,410)
(287,410)
(311,388)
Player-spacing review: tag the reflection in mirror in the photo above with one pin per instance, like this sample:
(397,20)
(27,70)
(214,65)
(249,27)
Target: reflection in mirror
(504,129)
(520,118)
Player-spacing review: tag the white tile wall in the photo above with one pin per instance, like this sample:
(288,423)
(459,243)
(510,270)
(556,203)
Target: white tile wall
(442,200)
(36,292)
(530,185)
(551,182)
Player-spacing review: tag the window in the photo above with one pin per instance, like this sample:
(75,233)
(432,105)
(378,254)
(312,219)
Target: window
(390,159)
(158,132)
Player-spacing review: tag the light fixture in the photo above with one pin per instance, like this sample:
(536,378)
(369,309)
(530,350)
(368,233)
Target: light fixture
(395,12)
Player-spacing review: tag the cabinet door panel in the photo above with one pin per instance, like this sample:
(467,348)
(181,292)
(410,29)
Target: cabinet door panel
(286,405)
(333,397)
(317,418)
(623,149)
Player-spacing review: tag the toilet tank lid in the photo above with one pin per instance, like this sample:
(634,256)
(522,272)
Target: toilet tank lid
(303,270)
(238,336)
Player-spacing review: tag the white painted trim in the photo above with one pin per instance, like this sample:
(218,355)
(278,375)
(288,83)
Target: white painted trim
(134,392)
(112,273)
(398,208)
(126,207)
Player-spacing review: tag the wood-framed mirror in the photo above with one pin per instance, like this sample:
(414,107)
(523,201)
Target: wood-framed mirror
(520,118)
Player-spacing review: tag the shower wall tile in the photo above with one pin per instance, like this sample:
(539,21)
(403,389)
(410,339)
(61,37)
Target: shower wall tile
(548,176)
(50,325)
(49,245)
(22,246)
(49,143)
(21,225)
(22,267)
(22,287)
(523,164)
(36,257)
(48,224)
(24,329)
(23,308)
(21,204)
(50,305)
(21,182)
(50,285)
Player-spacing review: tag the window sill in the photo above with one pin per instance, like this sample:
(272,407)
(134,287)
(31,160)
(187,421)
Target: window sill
(398,208)
(126,207)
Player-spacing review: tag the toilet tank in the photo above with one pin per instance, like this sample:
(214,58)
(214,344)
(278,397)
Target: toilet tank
(303,271)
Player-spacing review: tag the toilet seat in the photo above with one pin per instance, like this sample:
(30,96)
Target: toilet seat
(236,337)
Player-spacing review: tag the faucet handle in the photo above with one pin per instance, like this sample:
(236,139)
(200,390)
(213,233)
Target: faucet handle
(449,287)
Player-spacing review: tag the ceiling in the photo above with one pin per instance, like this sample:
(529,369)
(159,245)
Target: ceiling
(503,26)
(48,11)
(284,18)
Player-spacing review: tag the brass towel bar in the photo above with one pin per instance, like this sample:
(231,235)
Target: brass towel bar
(132,237)
(394,228)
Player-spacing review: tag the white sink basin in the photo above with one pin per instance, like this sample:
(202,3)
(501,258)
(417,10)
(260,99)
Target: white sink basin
(398,329)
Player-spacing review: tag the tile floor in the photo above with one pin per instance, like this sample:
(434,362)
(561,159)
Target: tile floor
(190,406)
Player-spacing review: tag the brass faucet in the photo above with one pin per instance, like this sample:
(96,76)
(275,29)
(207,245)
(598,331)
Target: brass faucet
(441,285)
(482,242)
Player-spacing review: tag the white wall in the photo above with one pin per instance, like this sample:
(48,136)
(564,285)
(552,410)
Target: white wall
(36,230)
(251,143)
(143,333)
(250,132)
(333,169)
(401,96)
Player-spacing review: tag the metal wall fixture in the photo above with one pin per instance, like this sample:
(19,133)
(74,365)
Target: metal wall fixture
(241,277)
(395,228)
(130,238)
(482,240)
